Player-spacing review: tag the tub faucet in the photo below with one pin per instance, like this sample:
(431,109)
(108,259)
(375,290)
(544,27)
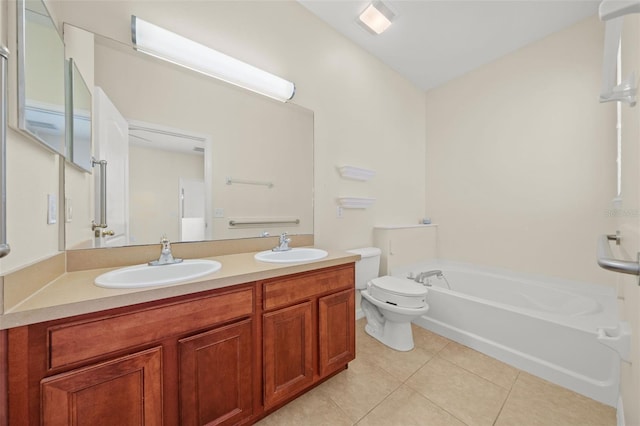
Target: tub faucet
(283,244)
(423,277)
(166,258)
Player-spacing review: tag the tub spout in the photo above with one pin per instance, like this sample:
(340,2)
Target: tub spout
(423,277)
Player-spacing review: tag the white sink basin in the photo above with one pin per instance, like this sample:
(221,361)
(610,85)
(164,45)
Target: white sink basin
(147,276)
(291,256)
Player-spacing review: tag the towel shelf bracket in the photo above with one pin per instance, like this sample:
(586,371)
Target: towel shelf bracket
(607,261)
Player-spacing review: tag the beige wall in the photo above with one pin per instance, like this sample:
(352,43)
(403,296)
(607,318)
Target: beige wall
(32,173)
(521,159)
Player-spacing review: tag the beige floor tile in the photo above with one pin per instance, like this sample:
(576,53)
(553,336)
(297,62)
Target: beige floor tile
(484,366)
(400,365)
(314,408)
(536,402)
(405,407)
(428,340)
(359,389)
(470,398)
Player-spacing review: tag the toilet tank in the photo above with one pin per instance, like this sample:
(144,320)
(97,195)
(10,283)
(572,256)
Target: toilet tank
(368,267)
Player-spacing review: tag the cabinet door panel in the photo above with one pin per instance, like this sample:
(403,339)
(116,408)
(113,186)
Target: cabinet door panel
(288,352)
(336,322)
(216,376)
(125,391)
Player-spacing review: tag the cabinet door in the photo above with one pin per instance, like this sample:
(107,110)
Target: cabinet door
(288,352)
(216,376)
(336,323)
(125,391)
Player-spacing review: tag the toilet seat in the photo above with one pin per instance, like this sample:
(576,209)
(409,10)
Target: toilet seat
(399,292)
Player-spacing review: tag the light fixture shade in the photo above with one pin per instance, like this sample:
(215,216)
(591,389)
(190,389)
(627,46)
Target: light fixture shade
(376,18)
(171,47)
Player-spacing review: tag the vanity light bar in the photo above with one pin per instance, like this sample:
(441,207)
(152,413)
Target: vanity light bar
(171,47)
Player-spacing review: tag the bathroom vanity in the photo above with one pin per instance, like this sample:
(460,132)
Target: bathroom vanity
(227,355)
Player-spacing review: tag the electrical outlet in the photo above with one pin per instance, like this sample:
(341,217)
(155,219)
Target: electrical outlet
(218,212)
(339,211)
(52,209)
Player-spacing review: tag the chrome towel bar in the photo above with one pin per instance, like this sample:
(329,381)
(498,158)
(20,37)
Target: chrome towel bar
(4,247)
(607,261)
(265,222)
(103,195)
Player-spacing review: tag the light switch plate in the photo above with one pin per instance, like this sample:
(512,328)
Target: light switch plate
(218,212)
(52,209)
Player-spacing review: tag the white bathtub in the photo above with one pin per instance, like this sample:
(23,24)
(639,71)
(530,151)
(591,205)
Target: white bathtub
(547,327)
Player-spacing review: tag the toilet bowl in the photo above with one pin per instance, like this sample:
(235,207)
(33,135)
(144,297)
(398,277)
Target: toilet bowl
(389,303)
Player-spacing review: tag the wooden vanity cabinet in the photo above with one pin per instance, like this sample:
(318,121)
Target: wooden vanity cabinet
(164,362)
(124,391)
(216,382)
(220,357)
(309,330)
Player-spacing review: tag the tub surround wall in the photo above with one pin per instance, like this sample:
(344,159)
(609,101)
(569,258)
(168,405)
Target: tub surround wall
(521,159)
(405,245)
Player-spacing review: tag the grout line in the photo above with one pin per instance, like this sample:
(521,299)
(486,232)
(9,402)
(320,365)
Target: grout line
(507,398)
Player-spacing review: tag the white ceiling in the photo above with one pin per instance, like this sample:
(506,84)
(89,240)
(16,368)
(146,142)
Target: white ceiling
(433,41)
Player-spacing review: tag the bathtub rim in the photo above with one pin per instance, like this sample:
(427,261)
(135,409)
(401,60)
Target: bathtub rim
(606,296)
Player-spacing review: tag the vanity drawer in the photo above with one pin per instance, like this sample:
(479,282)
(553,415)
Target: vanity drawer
(287,291)
(80,341)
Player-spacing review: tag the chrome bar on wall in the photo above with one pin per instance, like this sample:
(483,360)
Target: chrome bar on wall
(4,247)
(265,222)
(103,194)
(607,261)
(231,181)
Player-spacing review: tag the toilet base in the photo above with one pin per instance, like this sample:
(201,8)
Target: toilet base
(396,335)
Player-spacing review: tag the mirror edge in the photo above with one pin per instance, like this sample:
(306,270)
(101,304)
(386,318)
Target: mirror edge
(19,123)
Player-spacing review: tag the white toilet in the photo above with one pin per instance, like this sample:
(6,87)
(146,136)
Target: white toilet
(389,303)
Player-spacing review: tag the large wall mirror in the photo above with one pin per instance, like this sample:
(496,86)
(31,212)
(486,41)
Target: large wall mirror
(41,69)
(193,158)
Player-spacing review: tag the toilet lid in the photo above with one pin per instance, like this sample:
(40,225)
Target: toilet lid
(399,286)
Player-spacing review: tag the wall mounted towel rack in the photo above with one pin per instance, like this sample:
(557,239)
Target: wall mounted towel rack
(607,261)
(103,194)
(231,181)
(4,247)
(264,222)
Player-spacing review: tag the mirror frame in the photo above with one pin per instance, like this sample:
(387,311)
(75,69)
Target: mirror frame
(21,60)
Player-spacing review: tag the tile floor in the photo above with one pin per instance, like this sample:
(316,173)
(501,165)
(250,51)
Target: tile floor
(440,382)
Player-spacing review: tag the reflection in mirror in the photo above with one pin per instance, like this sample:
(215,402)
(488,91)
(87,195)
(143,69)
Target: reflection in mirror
(186,134)
(79,119)
(41,92)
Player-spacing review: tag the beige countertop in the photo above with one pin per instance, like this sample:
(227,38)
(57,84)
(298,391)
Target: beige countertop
(74,293)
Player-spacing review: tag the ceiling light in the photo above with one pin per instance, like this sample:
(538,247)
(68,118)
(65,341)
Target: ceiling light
(377,17)
(171,47)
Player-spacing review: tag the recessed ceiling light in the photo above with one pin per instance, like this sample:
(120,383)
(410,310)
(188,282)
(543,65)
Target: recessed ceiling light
(376,18)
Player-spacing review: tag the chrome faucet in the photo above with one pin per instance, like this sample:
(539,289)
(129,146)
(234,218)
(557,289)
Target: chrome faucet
(423,277)
(283,244)
(166,258)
